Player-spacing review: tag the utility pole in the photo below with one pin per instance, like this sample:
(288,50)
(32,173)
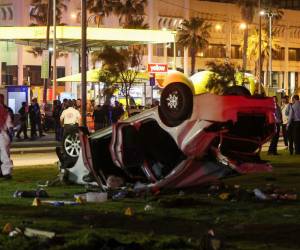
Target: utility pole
(54,51)
(83,61)
(47,47)
(259,58)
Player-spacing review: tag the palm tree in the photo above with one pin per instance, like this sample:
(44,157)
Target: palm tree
(248,8)
(39,11)
(41,14)
(100,8)
(223,76)
(253,50)
(130,11)
(194,34)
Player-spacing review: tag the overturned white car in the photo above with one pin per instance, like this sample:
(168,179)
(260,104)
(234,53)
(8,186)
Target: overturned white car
(192,138)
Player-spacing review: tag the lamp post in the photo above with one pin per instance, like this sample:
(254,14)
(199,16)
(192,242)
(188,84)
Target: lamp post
(259,56)
(83,61)
(54,51)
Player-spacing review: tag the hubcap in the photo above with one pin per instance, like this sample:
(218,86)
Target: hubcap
(72,145)
(172,100)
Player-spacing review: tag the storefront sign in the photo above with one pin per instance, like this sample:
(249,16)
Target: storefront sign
(157,67)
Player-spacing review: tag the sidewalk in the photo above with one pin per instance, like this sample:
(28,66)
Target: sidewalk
(45,143)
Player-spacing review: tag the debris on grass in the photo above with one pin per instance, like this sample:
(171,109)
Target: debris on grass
(120,195)
(148,208)
(114,182)
(209,241)
(8,227)
(30,232)
(40,193)
(38,202)
(260,195)
(96,197)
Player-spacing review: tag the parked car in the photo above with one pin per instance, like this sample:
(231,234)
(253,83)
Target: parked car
(189,140)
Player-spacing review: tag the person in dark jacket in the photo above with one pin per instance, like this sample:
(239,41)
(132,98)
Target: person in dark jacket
(57,110)
(278,118)
(35,118)
(117,112)
(23,111)
(100,119)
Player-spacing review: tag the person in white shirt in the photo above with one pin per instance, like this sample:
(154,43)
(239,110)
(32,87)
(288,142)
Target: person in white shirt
(70,119)
(6,129)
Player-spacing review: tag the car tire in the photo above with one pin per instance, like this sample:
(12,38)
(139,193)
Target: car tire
(237,90)
(71,145)
(176,104)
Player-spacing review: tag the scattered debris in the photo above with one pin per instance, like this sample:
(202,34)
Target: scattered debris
(120,195)
(30,232)
(272,193)
(181,193)
(114,182)
(41,193)
(8,227)
(138,186)
(209,241)
(148,208)
(15,232)
(236,193)
(37,202)
(96,197)
(260,195)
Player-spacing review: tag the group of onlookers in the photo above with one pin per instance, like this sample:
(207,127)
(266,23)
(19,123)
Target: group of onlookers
(32,111)
(287,117)
(106,115)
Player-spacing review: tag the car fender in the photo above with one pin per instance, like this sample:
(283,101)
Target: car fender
(178,77)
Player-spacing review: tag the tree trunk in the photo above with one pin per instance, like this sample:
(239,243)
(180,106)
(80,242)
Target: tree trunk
(267,78)
(193,60)
(245,48)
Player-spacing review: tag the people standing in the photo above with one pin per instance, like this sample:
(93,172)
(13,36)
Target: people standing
(23,111)
(9,110)
(70,119)
(294,122)
(6,132)
(57,110)
(35,119)
(278,119)
(99,116)
(285,118)
(117,112)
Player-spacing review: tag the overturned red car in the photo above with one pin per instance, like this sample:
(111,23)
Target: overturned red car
(189,140)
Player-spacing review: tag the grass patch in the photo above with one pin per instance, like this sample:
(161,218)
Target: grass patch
(176,222)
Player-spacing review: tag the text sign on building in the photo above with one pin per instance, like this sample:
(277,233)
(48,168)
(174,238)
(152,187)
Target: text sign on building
(157,67)
(45,64)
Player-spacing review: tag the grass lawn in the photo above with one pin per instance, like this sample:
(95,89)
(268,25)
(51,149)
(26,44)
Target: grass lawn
(176,222)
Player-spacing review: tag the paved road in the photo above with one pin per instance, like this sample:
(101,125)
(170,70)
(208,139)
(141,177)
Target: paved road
(33,159)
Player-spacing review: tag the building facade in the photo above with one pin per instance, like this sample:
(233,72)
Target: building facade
(20,67)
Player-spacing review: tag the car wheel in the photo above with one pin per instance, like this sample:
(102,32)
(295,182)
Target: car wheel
(176,104)
(72,145)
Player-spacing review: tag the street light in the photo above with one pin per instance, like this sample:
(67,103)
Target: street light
(243,26)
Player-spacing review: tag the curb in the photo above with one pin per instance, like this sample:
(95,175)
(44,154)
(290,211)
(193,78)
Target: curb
(32,150)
